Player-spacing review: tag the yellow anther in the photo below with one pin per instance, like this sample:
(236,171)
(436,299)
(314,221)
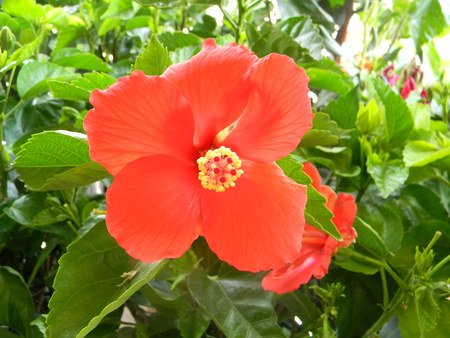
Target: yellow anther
(219,169)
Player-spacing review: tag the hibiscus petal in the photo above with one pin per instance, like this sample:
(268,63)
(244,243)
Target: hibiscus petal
(310,170)
(344,215)
(278,113)
(215,82)
(138,116)
(153,209)
(258,224)
(290,277)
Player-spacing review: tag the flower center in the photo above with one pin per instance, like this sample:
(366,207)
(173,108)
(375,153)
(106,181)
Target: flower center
(219,169)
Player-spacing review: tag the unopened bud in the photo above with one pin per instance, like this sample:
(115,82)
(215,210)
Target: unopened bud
(7,39)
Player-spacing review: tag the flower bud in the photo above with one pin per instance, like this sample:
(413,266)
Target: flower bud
(7,39)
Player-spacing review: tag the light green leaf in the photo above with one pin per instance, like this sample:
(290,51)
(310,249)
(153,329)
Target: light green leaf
(427,310)
(325,132)
(398,119)
(175,40)
(427,20)
(119,9)
(316,213)
(158,3)
(17,307)
(326,74)
(33,77)
(72,57)
(369,118)
(344,110)
(388,176)
(57,160)
(25,9)
(420,153)
(96,276)
(154,60)
(303,31)
(229,299)
(25,52)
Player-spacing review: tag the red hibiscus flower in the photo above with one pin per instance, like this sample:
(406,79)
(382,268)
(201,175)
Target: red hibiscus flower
(192,153)
(318,247)
(408,87)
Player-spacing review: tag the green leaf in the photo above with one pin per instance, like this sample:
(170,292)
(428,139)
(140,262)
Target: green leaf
(398,119)
(17,307)
(272,40)
(193,321)
(158,3)
(316,213)
(326,74)
(154,60)
(325,132)
(24,52)
(388,175)
(421,153)
(351,263)
(303,31)
(25,9)
(370,240)
(175,40)
(409,320)
(344,110)
(90,283)
(57,160)
(35,209)
(229,299)
(33,77)
(369,118)
(119,9)
(427,21)
(80,88)
(72,57)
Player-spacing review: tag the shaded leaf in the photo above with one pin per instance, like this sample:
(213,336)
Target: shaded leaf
(344,110)
(89,283)
(72,57)
(370,240)
(230,300)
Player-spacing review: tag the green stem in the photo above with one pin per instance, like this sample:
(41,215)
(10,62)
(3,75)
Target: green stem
(396,277)
(436,236)
(385,289)
(44,254)
(229,19)
(437,267)
(11,111)
(443,179)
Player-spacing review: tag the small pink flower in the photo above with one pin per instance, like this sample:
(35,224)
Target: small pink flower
(390,75)
(408,87)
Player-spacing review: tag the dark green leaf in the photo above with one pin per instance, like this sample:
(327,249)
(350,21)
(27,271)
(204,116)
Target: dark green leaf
(230,301)
(35,209)
(303,31)
(154,60)
(193,322)
(72,57)
(17,307)
(388,176)
(57,160)
(354,264)
(90,283)
(370,240)
(33,77)
(316,213)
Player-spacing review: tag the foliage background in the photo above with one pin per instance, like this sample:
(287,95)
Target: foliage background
(62,275)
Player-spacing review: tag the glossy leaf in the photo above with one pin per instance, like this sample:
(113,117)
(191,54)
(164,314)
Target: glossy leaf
(370,240)
(420,153)
(95,277)
(154,60)
(34,76)
(72,57)
(57,160)
(230,301)
(316,213)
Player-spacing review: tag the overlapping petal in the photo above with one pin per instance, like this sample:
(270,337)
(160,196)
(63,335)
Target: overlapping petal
(153,207)
(278,112)
(138,116)
(258,224)
(216,84)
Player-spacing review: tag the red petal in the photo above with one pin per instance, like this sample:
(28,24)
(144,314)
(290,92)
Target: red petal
(258,224)
(138,116)
(290,277)
(278,113)
(153,209)
(326,191)
(215,82)
(344,215)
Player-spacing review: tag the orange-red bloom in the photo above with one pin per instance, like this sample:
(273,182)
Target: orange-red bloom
(192,153)
(318,247)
